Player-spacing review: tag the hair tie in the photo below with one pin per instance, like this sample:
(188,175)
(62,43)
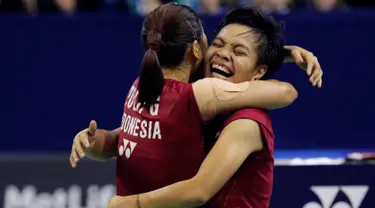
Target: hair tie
(154,46)
(159,29)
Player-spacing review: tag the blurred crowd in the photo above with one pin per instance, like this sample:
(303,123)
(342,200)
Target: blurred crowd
(208,7)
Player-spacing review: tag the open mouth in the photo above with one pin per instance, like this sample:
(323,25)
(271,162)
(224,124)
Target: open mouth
(221,70)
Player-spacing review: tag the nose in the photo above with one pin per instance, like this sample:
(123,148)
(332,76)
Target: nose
(223,54)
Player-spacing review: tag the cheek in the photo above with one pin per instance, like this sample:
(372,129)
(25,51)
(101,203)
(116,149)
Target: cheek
(242,66)
(244,70)
(207,58)
(209,53)
(206,45)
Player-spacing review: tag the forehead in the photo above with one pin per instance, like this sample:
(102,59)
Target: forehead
(236,32)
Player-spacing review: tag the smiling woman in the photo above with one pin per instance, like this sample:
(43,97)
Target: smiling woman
(246,47)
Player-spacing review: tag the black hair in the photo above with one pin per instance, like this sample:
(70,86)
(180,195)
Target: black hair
(166,33)
(269,34)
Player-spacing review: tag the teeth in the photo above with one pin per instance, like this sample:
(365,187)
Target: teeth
(221,68)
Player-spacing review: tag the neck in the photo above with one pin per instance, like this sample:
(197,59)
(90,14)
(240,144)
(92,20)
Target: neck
(181,74)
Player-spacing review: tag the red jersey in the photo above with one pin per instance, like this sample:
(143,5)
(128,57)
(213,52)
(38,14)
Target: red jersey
(251,185)
(160,145)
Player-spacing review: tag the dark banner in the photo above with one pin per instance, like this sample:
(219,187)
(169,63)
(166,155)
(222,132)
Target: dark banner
(49,182)
(57,73)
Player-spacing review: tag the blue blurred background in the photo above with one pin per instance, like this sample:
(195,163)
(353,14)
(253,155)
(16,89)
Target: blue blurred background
(65,62)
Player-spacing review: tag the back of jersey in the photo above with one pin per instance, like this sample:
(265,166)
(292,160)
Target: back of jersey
(160,145)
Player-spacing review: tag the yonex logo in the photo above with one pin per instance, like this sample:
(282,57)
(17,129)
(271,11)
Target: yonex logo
(327,195)
(127,147)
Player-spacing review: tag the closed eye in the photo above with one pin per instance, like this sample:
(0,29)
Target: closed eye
(240,53)
(216,44)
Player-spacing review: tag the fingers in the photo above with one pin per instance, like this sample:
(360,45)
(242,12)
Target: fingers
(80,142)
(320,83)
(77,153)
(311,61)
(316,71)
(73,158)
(316,78)
(307,61)
(313,70)
(309,69)
(82,139)
(297,57)
(92,128)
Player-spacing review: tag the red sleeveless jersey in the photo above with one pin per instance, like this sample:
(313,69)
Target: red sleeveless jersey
(251,185)
(160,145)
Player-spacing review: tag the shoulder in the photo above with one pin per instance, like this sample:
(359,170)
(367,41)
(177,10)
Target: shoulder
(177,91)
(244,121)
(176,85)
(241,126)
(244,131)
(255,115)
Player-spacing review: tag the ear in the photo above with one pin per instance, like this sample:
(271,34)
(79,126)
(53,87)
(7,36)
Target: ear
(260,72)
(197,51)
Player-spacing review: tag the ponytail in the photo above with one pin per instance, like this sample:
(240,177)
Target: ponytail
(151,78)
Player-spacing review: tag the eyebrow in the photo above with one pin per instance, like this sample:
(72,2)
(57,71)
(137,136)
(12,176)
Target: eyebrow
(219,38)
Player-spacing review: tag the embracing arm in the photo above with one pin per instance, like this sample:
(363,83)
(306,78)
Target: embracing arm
(236,142)
(214,96)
